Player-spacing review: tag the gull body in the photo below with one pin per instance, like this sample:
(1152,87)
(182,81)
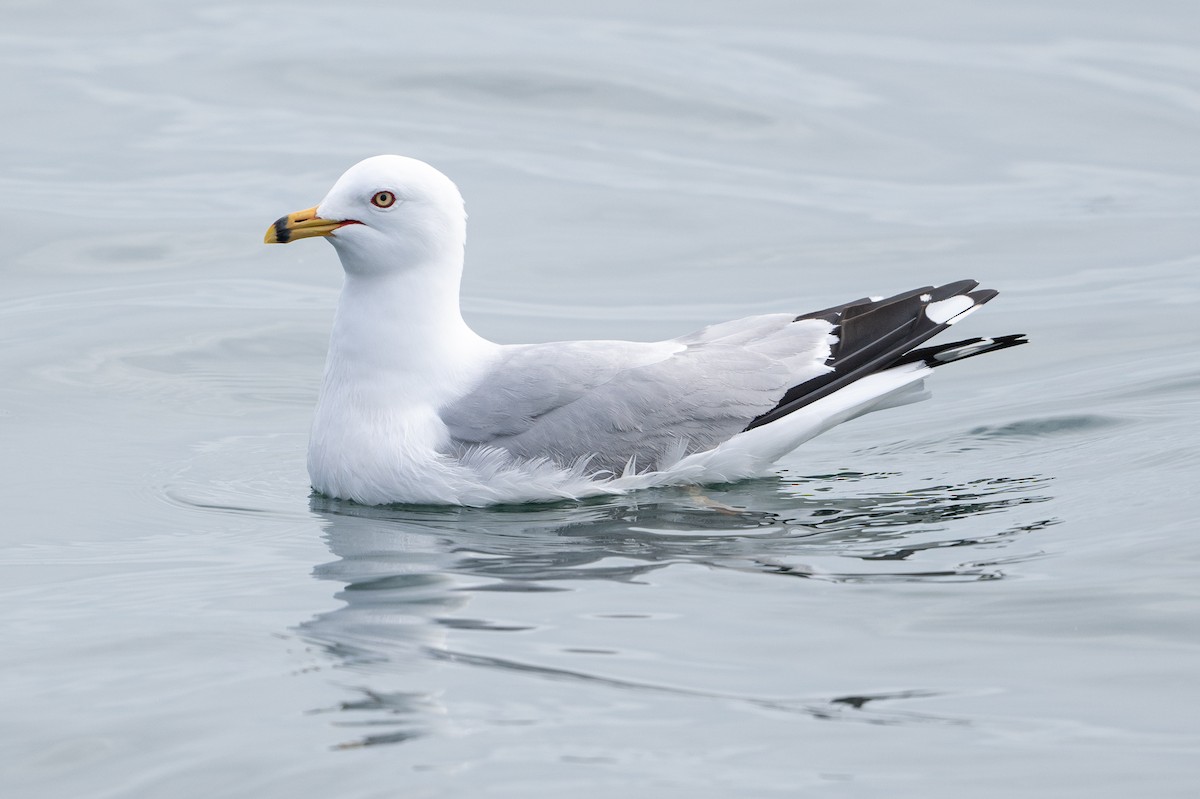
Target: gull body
(415,407)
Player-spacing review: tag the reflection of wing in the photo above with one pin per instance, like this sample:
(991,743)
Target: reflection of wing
(616,401)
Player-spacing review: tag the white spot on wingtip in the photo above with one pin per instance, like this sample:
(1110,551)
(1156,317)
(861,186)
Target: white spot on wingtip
(926,297)
(962,352)
(942,311)
(964,315)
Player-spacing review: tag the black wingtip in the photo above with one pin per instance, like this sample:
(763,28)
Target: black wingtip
(876,334)
(942,354)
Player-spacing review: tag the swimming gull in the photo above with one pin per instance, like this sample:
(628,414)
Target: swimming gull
(415,407)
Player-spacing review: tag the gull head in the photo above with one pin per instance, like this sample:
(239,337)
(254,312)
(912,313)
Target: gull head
(386,214)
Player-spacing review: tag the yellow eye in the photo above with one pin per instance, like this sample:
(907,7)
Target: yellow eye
(383,199)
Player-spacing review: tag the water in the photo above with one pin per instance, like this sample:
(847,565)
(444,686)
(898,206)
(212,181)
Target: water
(991,593)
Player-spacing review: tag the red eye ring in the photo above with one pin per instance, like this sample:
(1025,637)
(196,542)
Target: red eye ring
(383,199)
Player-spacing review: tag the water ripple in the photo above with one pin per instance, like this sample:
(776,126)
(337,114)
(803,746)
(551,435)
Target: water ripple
(407,574)
(1047,426)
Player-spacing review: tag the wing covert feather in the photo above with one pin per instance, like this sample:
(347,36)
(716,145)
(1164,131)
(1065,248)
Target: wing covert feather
(613,402)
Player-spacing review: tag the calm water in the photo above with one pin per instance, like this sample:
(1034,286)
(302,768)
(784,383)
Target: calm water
(991,593)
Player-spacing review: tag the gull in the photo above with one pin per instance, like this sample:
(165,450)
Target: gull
(415,407)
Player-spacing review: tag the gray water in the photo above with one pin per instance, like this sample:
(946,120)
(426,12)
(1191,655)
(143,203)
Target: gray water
(991,593)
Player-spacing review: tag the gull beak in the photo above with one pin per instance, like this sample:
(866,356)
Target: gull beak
(301,225)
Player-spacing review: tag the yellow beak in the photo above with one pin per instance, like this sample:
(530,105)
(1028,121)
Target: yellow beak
(300,225)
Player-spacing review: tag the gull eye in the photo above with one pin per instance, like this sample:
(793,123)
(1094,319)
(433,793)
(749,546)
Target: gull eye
(383,199)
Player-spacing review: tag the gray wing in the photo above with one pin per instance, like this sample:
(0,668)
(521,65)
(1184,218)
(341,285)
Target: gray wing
(614,402)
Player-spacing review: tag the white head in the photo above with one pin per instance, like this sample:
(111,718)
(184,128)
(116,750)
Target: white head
(386,214)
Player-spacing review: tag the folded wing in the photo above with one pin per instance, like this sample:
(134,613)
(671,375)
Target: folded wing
(645,405)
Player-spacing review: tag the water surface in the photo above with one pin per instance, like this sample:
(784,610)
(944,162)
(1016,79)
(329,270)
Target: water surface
(994,592)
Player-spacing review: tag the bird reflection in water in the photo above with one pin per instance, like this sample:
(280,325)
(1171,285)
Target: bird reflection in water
(409,573)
